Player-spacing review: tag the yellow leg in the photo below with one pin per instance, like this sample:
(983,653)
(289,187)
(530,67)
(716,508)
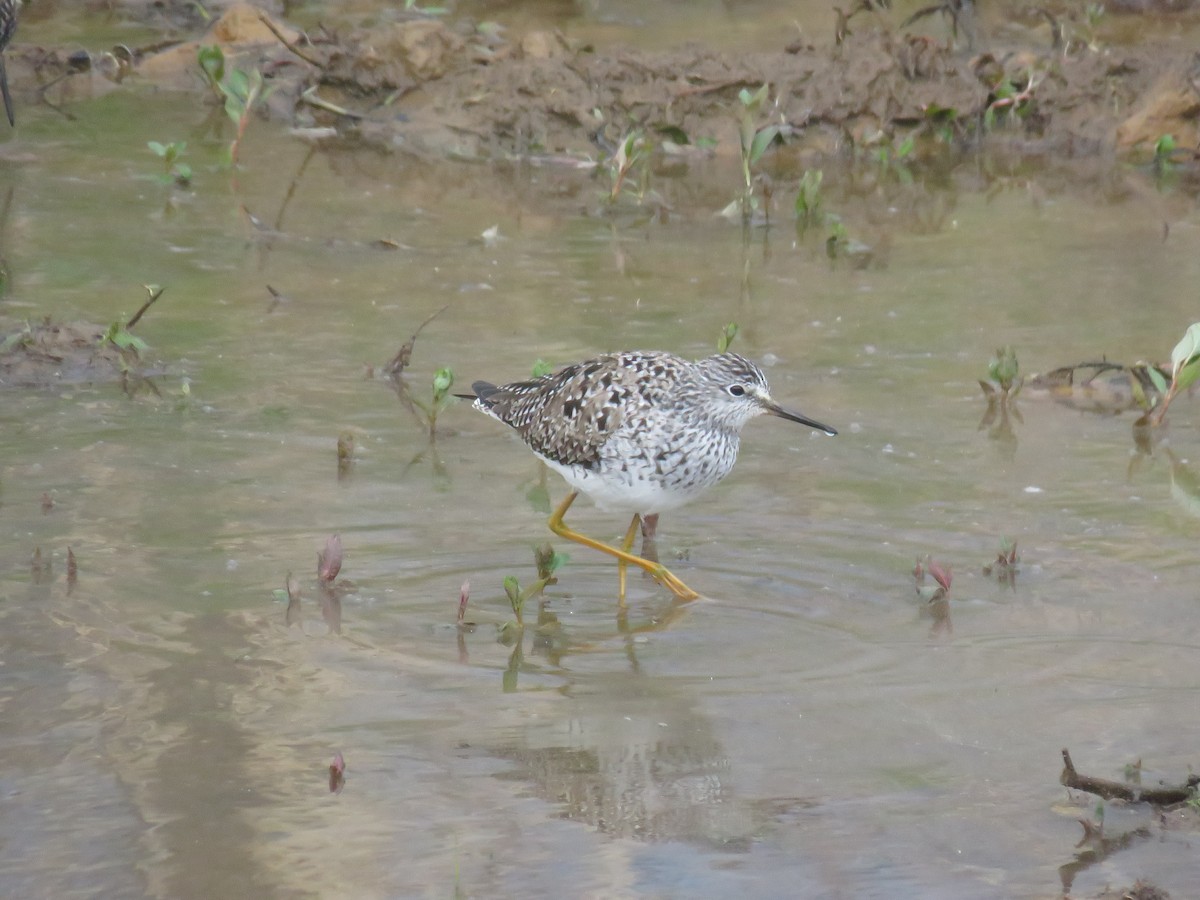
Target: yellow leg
(621,564)
(658,570)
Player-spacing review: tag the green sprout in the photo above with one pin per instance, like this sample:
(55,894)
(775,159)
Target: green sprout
(1003,373)
(728,333)
(174,171)
(541,368)
(753,143)
(443,380)
(548,562)
(1185,369)
(633,155)
(1164,151)
(1007,99)
(120,337)
(808,197)
(240,91)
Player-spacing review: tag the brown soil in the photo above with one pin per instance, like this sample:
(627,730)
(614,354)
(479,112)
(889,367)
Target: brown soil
(446,89)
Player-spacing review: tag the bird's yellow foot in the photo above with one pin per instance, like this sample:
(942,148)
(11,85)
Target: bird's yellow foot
(673,584)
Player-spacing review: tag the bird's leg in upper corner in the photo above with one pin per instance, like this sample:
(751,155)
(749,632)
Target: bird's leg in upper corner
(659,571)
(649,532)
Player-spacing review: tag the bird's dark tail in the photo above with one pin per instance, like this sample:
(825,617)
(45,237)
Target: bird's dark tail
(482,389)
(8,107)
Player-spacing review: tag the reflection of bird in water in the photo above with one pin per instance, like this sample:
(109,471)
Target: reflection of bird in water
(641,432)
(8,24)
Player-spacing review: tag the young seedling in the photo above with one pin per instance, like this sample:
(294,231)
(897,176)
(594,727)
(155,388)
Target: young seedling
(118,332)
(329,560)
(808,197)
(240,91)
(464,597)
(1005,566)
(728,333)
(1164,151)
(548,562)
(1008,98)
(936,595)
(632,156)
(941,575)
(443,380)
(754,142)
(1004,378)
(512,589)
(174,171)
(1185,369)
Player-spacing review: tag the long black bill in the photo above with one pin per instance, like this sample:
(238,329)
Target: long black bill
(796,417)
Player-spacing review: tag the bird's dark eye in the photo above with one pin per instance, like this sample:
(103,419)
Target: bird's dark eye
(736,390)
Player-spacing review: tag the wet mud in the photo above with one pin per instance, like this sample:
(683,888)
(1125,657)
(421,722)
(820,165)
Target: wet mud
(1047,85)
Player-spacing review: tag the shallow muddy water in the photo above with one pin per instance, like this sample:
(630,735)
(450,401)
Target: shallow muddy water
(802,730)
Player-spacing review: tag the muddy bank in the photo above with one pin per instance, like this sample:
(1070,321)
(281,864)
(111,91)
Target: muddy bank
(457,89)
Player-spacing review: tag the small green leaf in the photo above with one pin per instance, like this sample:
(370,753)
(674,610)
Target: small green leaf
(238,84)
(542,368)
(1187,348)
(762,140)
(1156,378)
(442,381)
(1187,375)
(212,62)
(127,341)
(728,333)
(159,150)
(512,587)
(1164,146)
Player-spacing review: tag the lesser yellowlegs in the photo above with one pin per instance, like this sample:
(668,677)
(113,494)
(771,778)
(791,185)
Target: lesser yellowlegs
(640,432)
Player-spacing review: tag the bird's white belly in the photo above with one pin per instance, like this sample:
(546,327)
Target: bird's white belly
(632,482)
(635,495)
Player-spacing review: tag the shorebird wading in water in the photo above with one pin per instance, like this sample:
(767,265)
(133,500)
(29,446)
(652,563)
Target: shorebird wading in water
(640,432)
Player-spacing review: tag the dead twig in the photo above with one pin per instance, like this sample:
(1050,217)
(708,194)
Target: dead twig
(1116,790)
(283,40)
(403,356)
(154,295)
